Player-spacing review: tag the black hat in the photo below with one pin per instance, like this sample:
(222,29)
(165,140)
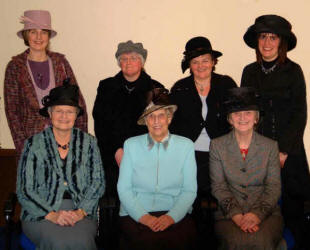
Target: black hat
(66,94)
(241,99)
(157,98)
(197,46)
(270,24)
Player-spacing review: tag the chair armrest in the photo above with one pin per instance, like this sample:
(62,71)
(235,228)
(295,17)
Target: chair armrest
(9,207)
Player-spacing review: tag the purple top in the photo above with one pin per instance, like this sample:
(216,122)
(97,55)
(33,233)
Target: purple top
(41,73)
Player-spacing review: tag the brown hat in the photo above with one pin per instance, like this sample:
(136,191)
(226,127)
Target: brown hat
(157,98)
(36,19)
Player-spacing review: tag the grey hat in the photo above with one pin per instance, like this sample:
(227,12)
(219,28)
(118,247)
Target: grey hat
(129,46)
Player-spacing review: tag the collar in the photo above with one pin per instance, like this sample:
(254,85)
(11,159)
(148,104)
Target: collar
(151,142)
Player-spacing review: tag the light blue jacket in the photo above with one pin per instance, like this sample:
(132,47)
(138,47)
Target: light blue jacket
(157,177)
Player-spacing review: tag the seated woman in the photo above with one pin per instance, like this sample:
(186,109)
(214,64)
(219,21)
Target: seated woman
(157,183)
(245,178)
(60,178)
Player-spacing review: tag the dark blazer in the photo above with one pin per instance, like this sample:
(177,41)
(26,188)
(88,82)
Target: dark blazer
(283,103)
(250,185)
(188,120)
(116,112)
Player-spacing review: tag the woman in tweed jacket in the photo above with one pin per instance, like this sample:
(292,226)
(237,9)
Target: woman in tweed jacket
(60,178)
(31,75)
(245,178)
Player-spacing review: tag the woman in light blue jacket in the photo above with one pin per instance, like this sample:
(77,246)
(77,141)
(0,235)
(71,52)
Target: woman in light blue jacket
(157,183)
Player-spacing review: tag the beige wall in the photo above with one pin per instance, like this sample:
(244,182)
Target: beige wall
(89,31)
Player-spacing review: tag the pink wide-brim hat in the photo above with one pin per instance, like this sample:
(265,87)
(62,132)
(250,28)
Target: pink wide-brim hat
(36,19)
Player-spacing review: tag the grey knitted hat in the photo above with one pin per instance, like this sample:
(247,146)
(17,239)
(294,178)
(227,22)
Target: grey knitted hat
(129,46)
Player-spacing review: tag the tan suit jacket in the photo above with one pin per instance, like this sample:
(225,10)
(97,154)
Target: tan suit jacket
(250,185)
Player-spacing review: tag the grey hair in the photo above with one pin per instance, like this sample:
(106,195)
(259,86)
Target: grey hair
(140,56)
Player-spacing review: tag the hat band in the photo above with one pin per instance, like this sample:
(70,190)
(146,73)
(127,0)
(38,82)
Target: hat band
(33,24)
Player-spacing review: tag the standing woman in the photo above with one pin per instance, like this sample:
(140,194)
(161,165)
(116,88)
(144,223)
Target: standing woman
(119,102)
(281,85)
(31,75)
(199,98)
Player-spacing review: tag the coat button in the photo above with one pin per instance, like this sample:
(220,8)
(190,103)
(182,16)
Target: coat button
(66,183)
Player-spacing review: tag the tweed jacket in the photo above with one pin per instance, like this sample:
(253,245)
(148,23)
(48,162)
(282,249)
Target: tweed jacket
(157,177)
(188,120)
(283,103)
(250,185)
(21,104)
(116,111)
(42,177)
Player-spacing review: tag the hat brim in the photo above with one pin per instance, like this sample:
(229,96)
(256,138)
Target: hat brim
(141,120)
(251,36)
(196,53)
(20,33)
(44,111)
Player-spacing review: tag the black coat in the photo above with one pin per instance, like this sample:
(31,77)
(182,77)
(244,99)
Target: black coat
(188,120)
(283,118)
(116,112)
(283,103)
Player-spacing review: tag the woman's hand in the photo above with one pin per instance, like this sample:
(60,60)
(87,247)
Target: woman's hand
(163,222)
(118,156)
(148,220)
(62,218)
(283,157)
(237,219)
(250,222)
(77,215)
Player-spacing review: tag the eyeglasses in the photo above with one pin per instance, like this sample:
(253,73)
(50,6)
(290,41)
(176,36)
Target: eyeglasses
(68,113)
(131,58)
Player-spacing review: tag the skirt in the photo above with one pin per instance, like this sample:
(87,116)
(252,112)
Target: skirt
(179,236)
(48,235)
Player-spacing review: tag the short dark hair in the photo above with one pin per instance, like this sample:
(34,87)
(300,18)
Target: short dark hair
(25,36)
(282,51)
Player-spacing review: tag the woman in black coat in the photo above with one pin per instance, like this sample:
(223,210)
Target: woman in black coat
(119,103)
(199,116)
(282,89)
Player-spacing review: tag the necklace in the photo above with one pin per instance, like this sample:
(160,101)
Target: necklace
(129,89)
(200,86)
(267,71)
(64,147)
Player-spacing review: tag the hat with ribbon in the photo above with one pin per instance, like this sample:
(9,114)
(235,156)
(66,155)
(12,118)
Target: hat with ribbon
(67,94)
(36,19)
(156,99)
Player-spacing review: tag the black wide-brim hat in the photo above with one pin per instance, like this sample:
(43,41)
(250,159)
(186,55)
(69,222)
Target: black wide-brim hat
(195,47)
(241,99)
(270,24)
(66,94)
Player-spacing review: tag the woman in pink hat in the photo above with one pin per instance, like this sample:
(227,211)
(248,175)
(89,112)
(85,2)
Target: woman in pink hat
(31,75)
